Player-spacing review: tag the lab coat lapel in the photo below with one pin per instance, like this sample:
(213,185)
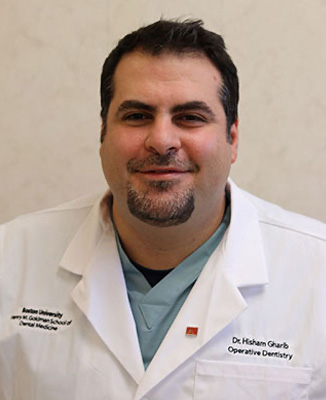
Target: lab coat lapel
(101,293)
(215,300)
(220,303)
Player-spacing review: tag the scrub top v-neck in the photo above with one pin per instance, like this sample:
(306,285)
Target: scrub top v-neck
(155,308)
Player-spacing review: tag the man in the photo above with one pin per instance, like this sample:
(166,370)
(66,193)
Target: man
(176,284)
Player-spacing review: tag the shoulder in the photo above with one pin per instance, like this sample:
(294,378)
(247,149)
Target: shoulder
(274,217)
(60,219)
(72,206)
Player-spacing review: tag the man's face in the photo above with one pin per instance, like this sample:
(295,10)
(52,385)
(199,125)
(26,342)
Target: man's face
(165,153)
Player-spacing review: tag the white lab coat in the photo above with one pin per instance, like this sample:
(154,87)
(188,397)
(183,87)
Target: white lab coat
(67,331)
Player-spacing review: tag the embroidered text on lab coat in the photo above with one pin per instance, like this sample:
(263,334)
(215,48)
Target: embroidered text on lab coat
(39,318)
(260,348)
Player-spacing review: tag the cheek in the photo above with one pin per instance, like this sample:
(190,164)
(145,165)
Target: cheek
(214,160)
(208,153)
(115,152)
(123,144)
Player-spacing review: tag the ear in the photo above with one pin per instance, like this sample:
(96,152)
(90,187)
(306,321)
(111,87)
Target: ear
(103,130)
(234,133)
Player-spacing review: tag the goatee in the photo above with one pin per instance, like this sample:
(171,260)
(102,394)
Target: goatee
(169,209)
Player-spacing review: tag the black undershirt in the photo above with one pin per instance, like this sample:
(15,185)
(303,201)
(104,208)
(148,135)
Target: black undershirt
(153,276)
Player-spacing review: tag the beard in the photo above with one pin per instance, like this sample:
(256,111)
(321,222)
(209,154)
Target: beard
(159,204)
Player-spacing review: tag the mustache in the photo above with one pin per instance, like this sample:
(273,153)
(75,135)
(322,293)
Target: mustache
(161,160)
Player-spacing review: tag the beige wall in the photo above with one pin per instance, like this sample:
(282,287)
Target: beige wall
(51,57)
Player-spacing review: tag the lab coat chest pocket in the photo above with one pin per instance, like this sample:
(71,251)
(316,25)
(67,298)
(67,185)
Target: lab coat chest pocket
(224,381)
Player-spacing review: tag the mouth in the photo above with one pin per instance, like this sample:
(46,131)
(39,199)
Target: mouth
(162,173)
(159,168)
(162,170)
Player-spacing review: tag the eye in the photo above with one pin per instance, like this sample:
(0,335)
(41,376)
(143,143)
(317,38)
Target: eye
(192,117)
(190,120)
(136,118)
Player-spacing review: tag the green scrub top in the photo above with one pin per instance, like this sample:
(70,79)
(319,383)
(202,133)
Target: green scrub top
(155,308)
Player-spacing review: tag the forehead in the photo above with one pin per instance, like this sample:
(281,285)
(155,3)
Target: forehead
(140,73)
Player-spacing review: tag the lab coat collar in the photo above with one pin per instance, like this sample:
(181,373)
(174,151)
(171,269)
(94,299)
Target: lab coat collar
(81,248)
(243,242)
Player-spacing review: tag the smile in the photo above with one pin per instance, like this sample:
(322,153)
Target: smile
(162,173)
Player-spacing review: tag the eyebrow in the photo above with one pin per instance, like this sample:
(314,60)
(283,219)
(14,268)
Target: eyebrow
(193,106)
(134,105)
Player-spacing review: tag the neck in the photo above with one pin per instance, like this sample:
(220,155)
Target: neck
(165,248)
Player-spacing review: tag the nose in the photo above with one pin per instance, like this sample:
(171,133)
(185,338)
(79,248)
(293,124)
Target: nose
(163,137)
